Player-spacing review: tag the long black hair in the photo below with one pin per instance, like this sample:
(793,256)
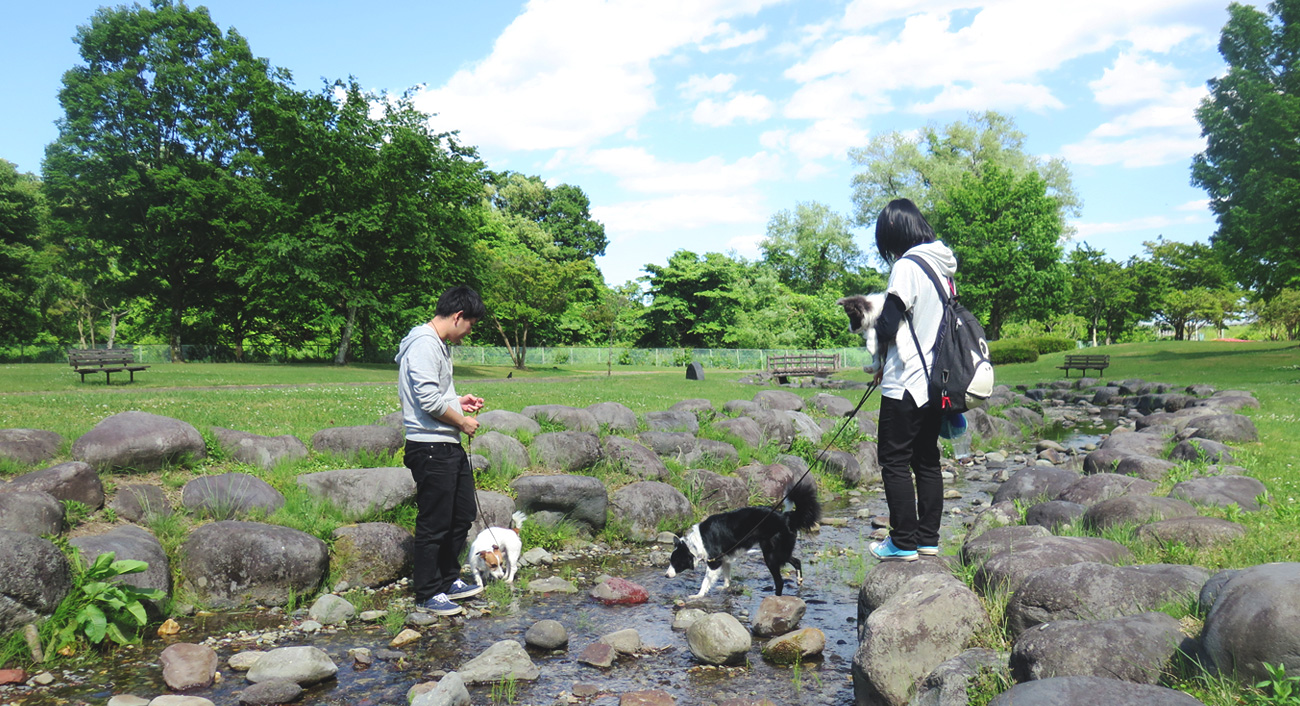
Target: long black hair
(899,228)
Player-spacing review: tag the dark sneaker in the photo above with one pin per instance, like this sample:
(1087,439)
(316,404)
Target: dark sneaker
(886,551)
(460,590)
(439,605)
(930,550)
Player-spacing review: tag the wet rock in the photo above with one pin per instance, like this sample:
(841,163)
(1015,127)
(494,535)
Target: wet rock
(567,451)
(1090,490)
(361,656)
(271,691)
(1197,531)
(1089,691)
(138,441)
(571,418)
(779,399)
(449,691)
(626,642)
(504,660)
(651,697)
(409,636)
(795,647)
(947,684)
(598,654)
(1055,515)
(1201,450)
(672,421)
(1137,648)
(684,618)
(613,416)
(503,451)
(1095,591)
(643,506)
(330,609)
(637,459)
(73,480)
(507,422)
(188,666)
(131,542)
(357,491)
(303,665)
(261,451)
(618,591)
(778,615)
(229,495)
(232,563)
(372,553)
(1255,620)
(1145,467)
(29,446)
(32,512)
(718,638)
(1008,570)
(140,503)
(579,498)
(554,584)
(716,492)
(547,635)
(364,440)
(1135,509)
(1221,491)
(244,660)
(1035,483)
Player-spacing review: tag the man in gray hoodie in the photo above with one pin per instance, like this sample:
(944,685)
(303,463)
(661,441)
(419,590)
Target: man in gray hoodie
(435,417)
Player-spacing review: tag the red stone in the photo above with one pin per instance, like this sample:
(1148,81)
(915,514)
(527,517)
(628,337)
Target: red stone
(12,676)
(616,591)
(653,697)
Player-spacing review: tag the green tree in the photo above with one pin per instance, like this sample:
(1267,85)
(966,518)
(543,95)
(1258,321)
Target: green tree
(1096,283)
(811,247)
(1251,164)
(1281,314)
(1193,284)
(523,290)
(1005,229)
(555,221)
(693,300)
(22,221)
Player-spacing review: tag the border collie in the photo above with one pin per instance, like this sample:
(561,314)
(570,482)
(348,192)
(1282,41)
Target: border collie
(863,310)
(720,538)
(496,551)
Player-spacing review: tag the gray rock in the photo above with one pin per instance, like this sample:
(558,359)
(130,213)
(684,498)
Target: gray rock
(1197,531)
(777,427)
(554,584)
(303,665)
(1212,588)
(947,684)
(395,420)
(1023,417)
(507,422)
(504,660)
(887,578)
(231,563)
(261,451)
(709,450)
(1104,396)
(230,495)
(831,405)
(1134,509)
(805,428)
(645,505)
(1201,450)
(449,691)
(370,440)
(1145,467)
(684,618)
(770,481)
(745,430)
(927,621)
(613,416)
(598,654)
(1090,490)
(567,451)
(868,461)
(1104,460)
(672,444)
(795,647)
(138,441)
(494,510)
(1221,491)
(1008,570)
(1225,428)
(695,371)
(1137,648)
(1055,514)
(503,451)
(571,418)
(330,609)
(636,459)
(672,421)
(1135,444)
(1095,591)
(140,503)
(718,638)
(713,492)
(995,516)
(361,491)
(33,512)
(272,691)
(29,446)
(582,499)
(1035,483)
(188,666)
(547,635)
(740,407)
(843,465)
(34,579)
(73,480)
(778,615)
(979,546)
(626,642)
(779,399)
(986,426)
(1090,691)
(1255,620)
(131,542)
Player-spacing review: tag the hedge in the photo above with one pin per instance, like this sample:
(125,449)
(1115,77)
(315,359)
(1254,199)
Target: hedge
(1051,344)
(1014,350)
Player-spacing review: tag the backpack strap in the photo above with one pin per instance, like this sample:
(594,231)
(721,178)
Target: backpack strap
(934,279)
(943,296)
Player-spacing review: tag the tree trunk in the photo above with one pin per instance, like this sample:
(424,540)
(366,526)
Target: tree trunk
(345,341)
(112,326)
(522,348)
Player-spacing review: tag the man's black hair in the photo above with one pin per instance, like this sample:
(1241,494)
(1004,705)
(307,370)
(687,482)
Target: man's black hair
(899,228)
(463,299)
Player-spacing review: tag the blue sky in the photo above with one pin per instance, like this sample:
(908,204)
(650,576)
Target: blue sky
(690,123)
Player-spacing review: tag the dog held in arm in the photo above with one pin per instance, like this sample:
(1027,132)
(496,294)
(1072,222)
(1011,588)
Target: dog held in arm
(720,538)
(496,551)
(863,310)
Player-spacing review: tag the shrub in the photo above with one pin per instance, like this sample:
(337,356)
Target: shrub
(1051,344)
(1012,351)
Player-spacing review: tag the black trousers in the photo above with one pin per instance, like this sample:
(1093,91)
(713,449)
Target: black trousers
(909,445)
(444,496)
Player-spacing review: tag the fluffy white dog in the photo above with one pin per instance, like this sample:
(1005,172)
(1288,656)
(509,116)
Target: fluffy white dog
(496,551)
(863,310)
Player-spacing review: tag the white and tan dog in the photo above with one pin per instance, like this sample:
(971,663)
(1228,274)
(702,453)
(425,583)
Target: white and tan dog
(496,551)
(863,310)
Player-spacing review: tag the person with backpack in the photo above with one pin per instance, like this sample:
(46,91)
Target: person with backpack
(908,430)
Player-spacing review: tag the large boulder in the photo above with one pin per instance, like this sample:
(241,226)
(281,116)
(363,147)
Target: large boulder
(635,458)
(229,495)
(718,638)
(776,425)
(805,427)
(711,451)
(186,665)
(952,681)
(1136,444)
(1136,510)
(769,481)
(645,506)
(1095,591)
(34,579)
(303,665)
(507,422)
(506,660)
(230,563)
(1224,428)
(372,553)
(928,620)
(1196,531)
(714,492)
(986,426)
(358,491)
(1055,514)
(779,399)
(369,440)
(1145,467)
(571,418)
(138,441)
(130,542)
(261,451)
(73,480)
(503,451)
(1137,648)
(494,510)
(33,512)
(672,420)
(1090,691)
(548,499)
(979,546)
(672,444)
(614,417)
(1201,451)
(140,503)
(1008,570)
(842,465)
(1097,487)
(744,429)
(1035,483)
(889,577)
(1221,491)
(567,451)
(1255,620)
(831,405)
(29,446)
(1104,460)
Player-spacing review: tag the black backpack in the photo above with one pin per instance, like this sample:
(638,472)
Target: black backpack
(962,376)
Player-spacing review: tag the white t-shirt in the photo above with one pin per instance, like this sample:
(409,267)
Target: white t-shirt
(903,371)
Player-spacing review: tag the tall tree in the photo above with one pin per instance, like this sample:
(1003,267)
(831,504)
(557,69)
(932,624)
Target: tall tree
(1095,282)
(811,248)
(1194,283)
(22,219)
(692,300)
(1251,164)
(522,290)
(558,219)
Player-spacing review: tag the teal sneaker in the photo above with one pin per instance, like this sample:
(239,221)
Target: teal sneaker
(928,550)
(886,551)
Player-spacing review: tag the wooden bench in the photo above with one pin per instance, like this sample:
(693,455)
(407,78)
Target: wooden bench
(783,367)
(106,361)
(1085,363)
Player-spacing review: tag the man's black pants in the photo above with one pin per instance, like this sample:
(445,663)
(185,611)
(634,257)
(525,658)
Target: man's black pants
(909,444)
(444,495)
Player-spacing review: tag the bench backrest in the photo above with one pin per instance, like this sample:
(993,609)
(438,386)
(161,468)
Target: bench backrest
(100,356)
(806,360)
(1081,359)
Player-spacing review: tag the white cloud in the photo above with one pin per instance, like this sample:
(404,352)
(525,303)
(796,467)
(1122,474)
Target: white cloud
(1199,206)
(1133,79)
(1145,151)
(678,212)
(993,96)
(637,170)
(1147,223)
(701,85)
(747,246)
(732,38)
(749,107)
(827,138)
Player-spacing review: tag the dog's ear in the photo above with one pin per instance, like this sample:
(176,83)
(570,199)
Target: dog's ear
(856,308)
(495,548)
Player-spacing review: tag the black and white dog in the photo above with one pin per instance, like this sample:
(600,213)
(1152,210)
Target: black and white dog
(720,538)
(863,310)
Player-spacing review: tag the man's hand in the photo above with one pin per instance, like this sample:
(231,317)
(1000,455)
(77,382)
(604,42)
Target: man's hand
(470,404)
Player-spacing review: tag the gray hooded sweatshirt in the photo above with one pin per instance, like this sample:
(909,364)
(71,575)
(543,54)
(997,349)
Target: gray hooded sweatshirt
(425,386)
(903,371)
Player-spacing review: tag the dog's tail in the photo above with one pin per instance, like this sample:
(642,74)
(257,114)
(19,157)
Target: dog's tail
(517,520)
(802,510)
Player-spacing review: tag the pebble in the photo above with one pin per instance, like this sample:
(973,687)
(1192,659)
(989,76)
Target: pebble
(310,626)
(405,638)
(420,619)
(371,616)
(43,679)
